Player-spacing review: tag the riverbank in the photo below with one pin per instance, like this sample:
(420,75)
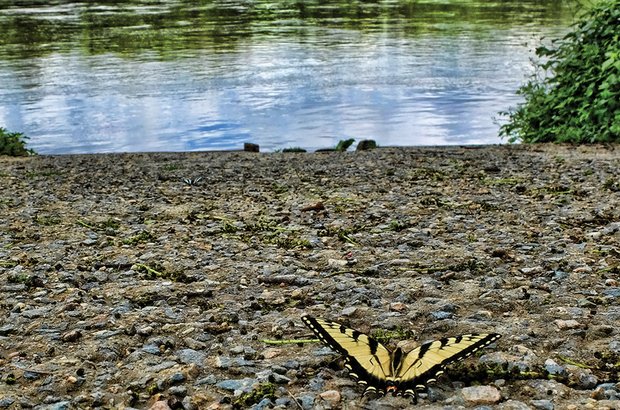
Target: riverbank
(131,280)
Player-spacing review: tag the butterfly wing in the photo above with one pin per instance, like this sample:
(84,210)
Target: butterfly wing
(368,361)
(424,364)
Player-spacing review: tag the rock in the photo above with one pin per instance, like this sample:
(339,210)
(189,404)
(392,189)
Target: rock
(160,405)
(271,353)
(179,391)
(6,402)
(331,396)
(535,270)
(35,313)
(581,378)
(250,147)
(477,395)
(365,145)
(543,404)
(190,356)
(71,336)
(555,369)
(441,315)
(398,307)
(350,311)
(567,324)
(7,329)
(514,405)
(242,385)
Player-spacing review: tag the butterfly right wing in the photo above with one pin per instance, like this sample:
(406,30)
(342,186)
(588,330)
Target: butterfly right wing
(368,361)
(424,364)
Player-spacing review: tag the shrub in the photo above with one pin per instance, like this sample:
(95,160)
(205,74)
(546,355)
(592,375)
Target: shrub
(579,100)
(13,144)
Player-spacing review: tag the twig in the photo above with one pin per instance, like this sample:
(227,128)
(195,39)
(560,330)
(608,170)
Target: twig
(289,341)
(295,400)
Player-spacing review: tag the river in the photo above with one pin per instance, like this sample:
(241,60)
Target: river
(127,76)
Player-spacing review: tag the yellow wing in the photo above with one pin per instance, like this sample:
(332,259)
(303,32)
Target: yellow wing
(424,364)
(368,361)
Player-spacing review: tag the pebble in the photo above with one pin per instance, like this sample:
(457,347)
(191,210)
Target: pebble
(331,396)
(476,395)
(567,324)
(237,385)
(6,402)
(350,311)
(189,356)
(160,405)
(543,404)
(554,369)
(71,336)
(514,405)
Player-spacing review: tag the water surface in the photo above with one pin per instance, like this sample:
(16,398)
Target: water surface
(120,76)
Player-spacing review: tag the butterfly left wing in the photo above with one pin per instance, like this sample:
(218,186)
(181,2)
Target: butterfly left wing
(368,361)
(424,364)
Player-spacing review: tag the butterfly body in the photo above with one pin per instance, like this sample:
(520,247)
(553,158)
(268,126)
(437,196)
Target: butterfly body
(381,370)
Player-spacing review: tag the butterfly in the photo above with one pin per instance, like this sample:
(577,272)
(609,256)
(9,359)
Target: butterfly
(381,370)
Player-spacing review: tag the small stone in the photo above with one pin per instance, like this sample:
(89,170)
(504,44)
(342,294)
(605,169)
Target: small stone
(553,368)
(188,356)
(34,313)
(611,282)
(542,404)
(441,315)
(177,377)
(612,292)
(481,395)
(179,391)
(145,331)
(350,311)
(598,394)
(332,396)
(532,271)
(567,324)
(398,307)
(152,349)
(71,336)
(581,378)
(241,385)
(585,303)
(160,405)
(6,402)
(251,147)
(514,405)
(222,362)
(271,352)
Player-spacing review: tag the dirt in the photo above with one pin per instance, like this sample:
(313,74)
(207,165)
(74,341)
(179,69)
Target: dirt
(178,280)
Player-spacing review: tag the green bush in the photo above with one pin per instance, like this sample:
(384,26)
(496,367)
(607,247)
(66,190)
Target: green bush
(13,144)
(579,100)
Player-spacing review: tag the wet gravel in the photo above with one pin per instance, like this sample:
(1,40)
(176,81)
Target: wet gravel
(177,280)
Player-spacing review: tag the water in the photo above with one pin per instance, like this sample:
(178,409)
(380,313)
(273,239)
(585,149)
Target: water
(185,75)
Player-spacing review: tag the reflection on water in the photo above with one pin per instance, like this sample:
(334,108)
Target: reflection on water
(112,76)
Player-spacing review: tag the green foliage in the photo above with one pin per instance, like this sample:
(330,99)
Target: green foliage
(13,144)
(343,145)
(579,101)
(259,392)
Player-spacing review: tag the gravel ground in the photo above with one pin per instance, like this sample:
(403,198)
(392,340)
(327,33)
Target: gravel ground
(124,286)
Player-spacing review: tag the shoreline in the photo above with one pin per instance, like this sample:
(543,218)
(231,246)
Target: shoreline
(123,286)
